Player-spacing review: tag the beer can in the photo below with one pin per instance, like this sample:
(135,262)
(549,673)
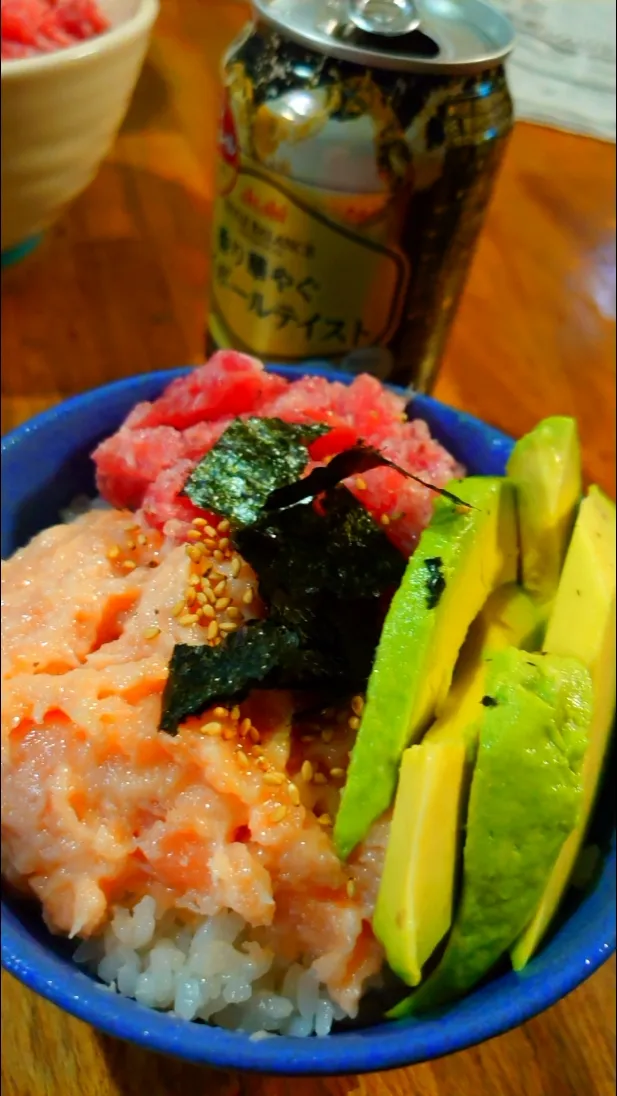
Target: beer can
(354,171)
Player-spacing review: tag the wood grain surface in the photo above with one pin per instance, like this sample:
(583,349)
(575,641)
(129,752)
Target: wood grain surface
(119,287)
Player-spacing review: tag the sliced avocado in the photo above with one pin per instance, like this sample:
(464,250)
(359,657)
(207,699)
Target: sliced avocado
(525,797)
(415,901)
(463,554)
(582,625)
(510,618)
(545,467)
(414,906)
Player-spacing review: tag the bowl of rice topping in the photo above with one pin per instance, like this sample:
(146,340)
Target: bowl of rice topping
(69,68)
(194,583)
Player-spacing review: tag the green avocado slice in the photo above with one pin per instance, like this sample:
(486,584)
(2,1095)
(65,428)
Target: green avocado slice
(525,798)
(545,467)
(415,901)
(463,555)
(582,625)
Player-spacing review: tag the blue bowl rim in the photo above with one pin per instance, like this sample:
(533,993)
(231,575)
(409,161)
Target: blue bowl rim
(381,1047)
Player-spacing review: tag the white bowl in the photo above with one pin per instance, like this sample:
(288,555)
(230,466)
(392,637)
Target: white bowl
(60,114)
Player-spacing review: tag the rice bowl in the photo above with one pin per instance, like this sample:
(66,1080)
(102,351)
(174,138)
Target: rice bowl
(286,1000)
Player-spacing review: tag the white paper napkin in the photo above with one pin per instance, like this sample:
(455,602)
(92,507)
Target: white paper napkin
(562,72)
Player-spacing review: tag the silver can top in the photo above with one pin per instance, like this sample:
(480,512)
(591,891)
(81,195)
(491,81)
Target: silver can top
(449,36)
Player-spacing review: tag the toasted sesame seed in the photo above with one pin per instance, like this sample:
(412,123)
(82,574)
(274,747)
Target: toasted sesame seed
(254,734)
(220,712)
(294,794)
(177,609)
(245,726)
(193,534)
(320,778)
(209,543)
(218,555)
(220,587)
(223,526)
(306,772)
(213,629)
(228,626)
(242,759)
(222,603)
(212,728)
(350,888)
(357,704)
(229,733)
(248,596)
(187,619)
(233,613)
(190,595)
(385,520)
(224,544)
(360,484)
(129,564)
(199,522)
(235,566)
(193,552)
(235,712)
(353,723)
(278,813)
(152,633)
(113,552)
(263,764)
(337,773)
(207,611)
(274,778)
(327,736)
(201,598)
(210,532)
(324,820)
(258,752)
(194,580)
(210,595)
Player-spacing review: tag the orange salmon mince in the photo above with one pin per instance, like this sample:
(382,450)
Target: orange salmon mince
(100,808)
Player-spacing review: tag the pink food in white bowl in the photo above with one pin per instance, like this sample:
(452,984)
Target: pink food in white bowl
(31,27)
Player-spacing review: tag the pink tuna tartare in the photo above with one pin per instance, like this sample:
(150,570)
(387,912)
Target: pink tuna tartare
(31,27)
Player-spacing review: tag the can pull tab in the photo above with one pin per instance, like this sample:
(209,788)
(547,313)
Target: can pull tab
(386,17)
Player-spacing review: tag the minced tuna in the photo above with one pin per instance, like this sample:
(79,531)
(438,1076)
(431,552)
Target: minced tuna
(31,27)
(147,461)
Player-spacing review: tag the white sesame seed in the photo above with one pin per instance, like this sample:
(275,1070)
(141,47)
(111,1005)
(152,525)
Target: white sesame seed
(306,772)
(274,778)
(212,728)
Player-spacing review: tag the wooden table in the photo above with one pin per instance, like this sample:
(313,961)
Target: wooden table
(119,287)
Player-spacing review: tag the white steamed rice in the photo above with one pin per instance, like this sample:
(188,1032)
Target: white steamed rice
(215,971)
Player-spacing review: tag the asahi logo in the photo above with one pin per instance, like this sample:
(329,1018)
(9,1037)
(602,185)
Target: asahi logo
(229,161)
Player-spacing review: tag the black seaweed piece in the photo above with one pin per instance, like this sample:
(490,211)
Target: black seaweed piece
(249,461)
(489,702)
(337,549)
(435,583)
(351,462)
(201,676)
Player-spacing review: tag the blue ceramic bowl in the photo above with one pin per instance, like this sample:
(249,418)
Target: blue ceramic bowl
(44,465)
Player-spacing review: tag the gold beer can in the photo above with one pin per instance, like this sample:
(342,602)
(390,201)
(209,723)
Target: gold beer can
(355,165)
